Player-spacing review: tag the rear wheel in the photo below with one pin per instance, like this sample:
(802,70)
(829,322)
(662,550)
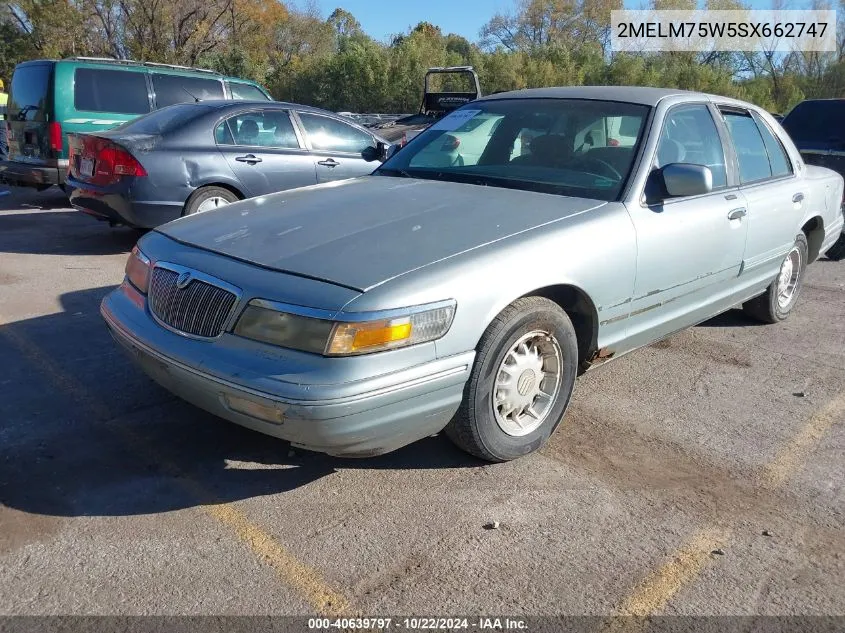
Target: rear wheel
(208,199)
(777,302)
(520,384)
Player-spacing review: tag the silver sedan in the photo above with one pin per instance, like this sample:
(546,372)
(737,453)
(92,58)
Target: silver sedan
(466,292)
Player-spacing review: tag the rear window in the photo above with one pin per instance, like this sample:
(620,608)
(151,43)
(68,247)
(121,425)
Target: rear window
(29,92)
(246,92)
(165,119)
(171,89)
(816,121)
(115,91)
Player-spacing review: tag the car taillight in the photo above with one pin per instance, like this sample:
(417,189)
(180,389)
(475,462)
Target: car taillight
(114,160)
(54,132)
(450,143)
(612,142)
(100,161)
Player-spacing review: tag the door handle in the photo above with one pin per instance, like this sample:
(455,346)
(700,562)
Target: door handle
(798,198)
(249,158)
(736,214)
(329,162)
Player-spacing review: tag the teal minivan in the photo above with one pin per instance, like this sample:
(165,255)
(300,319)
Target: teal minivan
(50,98)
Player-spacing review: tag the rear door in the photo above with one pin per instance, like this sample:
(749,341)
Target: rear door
(264,151)
(28,113)
(337,147)
(774,197)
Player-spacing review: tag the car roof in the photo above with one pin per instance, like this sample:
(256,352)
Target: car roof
(248,103)
(631,94)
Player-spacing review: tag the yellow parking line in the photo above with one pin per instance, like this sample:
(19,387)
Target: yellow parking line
(296,574)
(791,457)
(657,589)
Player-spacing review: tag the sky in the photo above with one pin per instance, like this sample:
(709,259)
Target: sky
(383,18)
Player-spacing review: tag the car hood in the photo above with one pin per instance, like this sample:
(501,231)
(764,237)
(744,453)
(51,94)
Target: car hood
(360,233)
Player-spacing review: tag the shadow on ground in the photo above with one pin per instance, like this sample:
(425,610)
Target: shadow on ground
(731,318)
(83,432)
(62,232)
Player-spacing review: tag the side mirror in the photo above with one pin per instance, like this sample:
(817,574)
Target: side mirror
(681,179)
(373,152)
(380,152)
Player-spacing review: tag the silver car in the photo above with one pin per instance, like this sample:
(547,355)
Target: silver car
(356,317)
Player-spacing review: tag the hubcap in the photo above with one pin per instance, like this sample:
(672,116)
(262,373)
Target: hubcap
(211,204)
(527,383)
(790,270)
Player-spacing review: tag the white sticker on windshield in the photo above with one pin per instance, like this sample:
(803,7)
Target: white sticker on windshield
(454,120)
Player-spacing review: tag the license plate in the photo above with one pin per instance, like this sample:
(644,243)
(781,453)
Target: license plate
(86,167)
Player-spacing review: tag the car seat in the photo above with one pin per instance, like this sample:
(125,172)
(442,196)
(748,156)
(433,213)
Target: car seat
(248,133)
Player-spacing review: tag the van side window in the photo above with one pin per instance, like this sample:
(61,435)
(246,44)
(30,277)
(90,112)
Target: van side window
(172,89)
(246,92)
(114,91)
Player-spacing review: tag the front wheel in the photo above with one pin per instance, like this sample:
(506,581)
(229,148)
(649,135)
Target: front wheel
(780,297)
(524,373)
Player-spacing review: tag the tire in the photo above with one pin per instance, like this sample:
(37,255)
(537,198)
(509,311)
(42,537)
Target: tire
(769,307)
(205,195)
(479,429)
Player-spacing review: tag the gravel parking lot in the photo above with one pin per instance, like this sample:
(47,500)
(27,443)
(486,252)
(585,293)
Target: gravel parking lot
(702,475)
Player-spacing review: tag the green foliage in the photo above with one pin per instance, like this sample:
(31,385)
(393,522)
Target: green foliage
(302,56)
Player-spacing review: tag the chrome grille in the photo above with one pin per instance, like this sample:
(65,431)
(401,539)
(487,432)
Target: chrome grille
(200,308)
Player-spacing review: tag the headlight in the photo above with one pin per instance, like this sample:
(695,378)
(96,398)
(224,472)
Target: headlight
(138,269)
(345,338)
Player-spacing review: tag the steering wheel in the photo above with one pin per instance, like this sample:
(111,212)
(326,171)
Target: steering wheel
(604,166)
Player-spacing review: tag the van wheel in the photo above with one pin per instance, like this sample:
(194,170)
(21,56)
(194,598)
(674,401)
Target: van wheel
(777,302)
(520,384)
(207,199)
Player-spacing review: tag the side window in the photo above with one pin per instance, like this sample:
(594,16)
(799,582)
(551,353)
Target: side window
(778,158)
(750,150)
(690,136)
(329,134)
(246,92)
(264,128)
(222,135)
(116,91)
(172,89)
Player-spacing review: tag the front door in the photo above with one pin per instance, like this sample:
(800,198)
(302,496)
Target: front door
(264,152)
(337,147)
(689,249)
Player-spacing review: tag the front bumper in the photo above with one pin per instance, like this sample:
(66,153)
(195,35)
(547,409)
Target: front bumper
(27,175)
(359,419)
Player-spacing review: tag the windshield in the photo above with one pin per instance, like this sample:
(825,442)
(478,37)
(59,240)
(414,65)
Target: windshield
(813,121)
(572,147)
(165,119)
